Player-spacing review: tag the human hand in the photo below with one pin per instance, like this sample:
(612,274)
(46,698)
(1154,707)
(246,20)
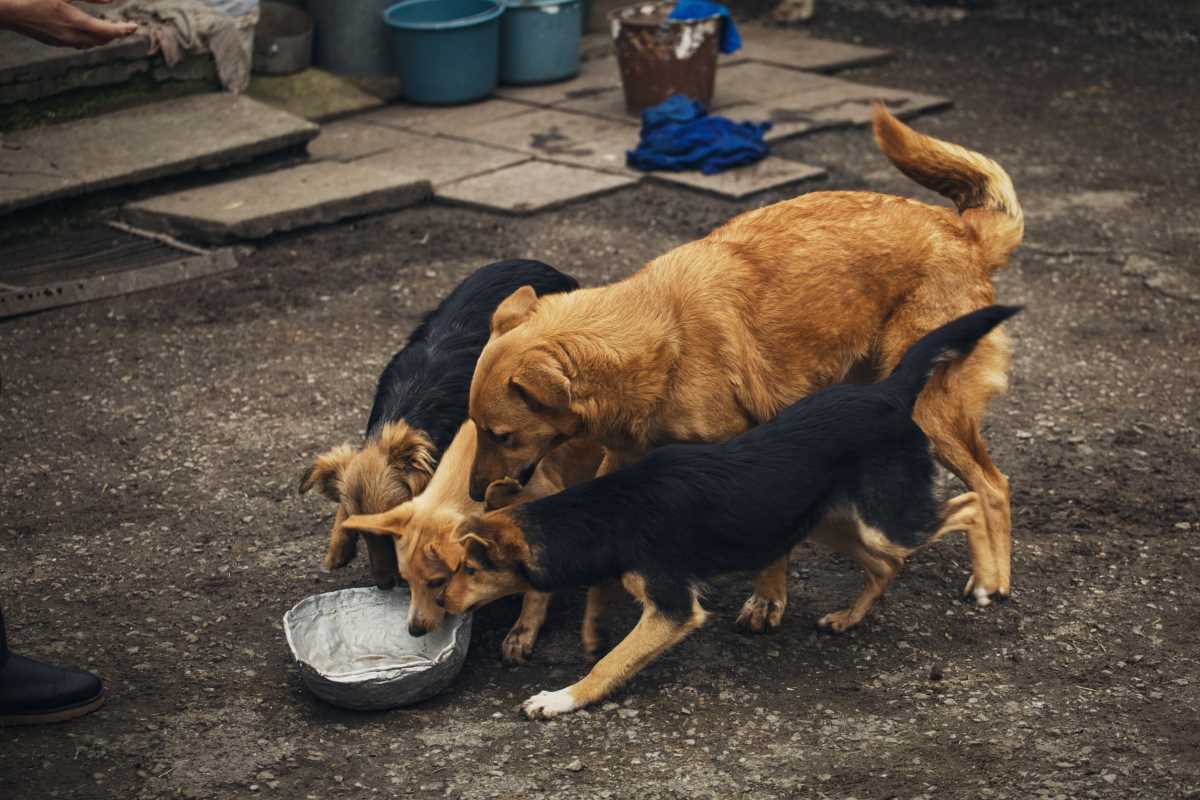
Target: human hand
(57,22)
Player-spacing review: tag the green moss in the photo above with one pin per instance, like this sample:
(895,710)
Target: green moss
(86,101)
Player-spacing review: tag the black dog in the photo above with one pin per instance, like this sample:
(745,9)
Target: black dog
(420,402)
(846,466)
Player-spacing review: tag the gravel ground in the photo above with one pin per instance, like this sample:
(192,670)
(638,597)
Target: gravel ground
(151,531)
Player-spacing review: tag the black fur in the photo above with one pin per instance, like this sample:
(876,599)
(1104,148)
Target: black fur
(691,511)
(427,383)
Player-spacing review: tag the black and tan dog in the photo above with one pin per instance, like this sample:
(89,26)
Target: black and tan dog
(846,466)
(420,403)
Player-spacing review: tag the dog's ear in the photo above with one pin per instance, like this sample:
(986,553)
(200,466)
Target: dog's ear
(410,452)
(389,523)
(326,472)
(514,310)
(501,493)
(541,383)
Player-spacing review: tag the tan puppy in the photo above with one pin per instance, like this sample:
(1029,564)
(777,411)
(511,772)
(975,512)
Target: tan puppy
(718,335)
(423,531)
(382,474)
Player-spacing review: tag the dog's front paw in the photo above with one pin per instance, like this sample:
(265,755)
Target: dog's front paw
(545,705)
(761,615)
(517,646)
(838,621)
(977,591)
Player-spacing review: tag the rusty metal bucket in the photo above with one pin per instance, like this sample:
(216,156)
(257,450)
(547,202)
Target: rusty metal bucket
(660,57)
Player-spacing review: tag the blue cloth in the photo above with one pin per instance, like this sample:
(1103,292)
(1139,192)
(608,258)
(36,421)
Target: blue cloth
(731,40)
(678,134)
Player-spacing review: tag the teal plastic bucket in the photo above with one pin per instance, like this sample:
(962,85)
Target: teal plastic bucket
(447,51)
(539,40)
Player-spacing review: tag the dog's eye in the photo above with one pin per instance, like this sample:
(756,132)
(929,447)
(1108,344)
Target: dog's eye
(469,570)
(505,439)
(436,584)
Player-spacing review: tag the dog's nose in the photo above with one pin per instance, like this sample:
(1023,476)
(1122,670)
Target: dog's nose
(416,630)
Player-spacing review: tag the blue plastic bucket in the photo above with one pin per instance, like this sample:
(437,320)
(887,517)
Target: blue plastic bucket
(447,51)
(539,40)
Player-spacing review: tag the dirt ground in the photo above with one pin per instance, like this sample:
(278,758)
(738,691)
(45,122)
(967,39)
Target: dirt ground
(150,528)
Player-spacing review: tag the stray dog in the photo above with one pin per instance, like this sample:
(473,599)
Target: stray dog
(720,334)
(420,402)
(849,457)
(425,528)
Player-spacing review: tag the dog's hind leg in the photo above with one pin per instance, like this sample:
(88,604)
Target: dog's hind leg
(654,634)
(960,447)
(950,411)
(599,599)
(518,644)
(763,610)
(880,561)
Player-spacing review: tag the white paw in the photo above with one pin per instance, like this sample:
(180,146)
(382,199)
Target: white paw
(982,597)
(545,705)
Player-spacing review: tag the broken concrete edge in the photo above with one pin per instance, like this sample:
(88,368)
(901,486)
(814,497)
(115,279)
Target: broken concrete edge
(865,60)
(203,163)
(188,228)
(531,210)
(825,126)
(447,184)
(659,179)
(58,60)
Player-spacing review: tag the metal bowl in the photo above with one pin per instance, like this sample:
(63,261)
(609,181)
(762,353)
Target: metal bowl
(354,650)
(282,39)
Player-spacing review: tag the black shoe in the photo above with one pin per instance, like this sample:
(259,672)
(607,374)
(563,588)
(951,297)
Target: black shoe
(32,692)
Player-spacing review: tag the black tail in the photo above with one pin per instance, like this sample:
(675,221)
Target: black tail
(951,342)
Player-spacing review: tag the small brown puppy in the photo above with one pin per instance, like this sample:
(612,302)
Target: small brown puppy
(718,335)
(423,531)
(384,473)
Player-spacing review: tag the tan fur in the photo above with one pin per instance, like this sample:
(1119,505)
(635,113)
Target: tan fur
(426,531)
(880,559)
(383,473)
(720,334)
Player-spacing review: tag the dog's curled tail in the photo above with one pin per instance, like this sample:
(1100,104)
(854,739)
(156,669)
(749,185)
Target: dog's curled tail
(953,341)
(979,186)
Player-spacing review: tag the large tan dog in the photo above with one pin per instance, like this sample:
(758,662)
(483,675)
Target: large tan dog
(424,531)
(718,335)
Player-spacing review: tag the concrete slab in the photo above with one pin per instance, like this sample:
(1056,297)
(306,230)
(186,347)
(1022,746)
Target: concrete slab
(750,82)
(531,187)
(313,94)
(450,120)
(837,103)
(601,101)
(736,184)
(787,47)
(350,139)
(553,135)
(141,144)
(596,74)
(438,159)
(283,200)
(23,59)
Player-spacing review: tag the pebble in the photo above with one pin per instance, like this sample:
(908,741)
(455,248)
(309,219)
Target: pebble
(574,765)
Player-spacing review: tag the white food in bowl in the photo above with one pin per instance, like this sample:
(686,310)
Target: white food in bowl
(354,649)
